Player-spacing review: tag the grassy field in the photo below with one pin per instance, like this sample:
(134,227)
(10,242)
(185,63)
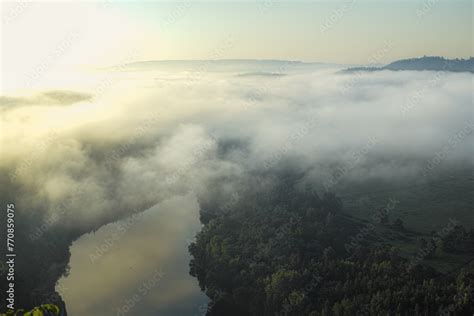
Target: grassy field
(423,207)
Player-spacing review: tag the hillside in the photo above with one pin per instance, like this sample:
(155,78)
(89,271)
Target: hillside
(424,64)
(292,252)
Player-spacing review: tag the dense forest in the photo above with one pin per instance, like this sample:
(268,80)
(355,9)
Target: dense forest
(288,251)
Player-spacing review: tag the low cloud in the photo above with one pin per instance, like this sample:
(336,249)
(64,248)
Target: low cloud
(48,98)
(213,136)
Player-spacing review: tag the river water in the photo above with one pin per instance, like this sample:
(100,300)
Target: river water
(138,266)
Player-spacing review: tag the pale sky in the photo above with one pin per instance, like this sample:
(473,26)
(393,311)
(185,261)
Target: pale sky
(38,35)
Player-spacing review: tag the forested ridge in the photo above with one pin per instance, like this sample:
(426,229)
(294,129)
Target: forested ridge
(283,251)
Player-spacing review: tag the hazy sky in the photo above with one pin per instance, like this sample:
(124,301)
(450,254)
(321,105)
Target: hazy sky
(37,35)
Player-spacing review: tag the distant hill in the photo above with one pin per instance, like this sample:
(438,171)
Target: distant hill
(213,65)
(240,67)
(424,63)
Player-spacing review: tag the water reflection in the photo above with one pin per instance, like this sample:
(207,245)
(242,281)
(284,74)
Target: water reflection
(137,266)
